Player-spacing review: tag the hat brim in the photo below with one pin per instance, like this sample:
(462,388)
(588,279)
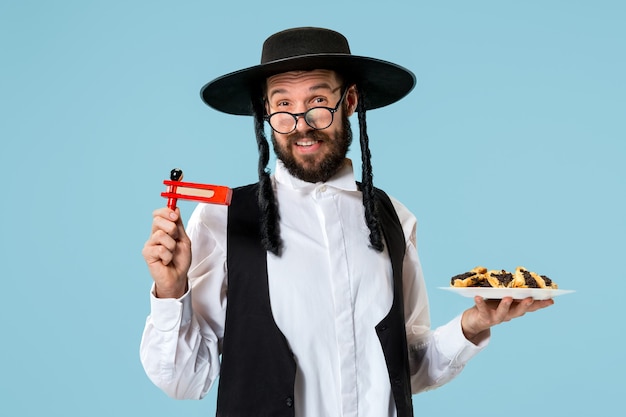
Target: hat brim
(382,82)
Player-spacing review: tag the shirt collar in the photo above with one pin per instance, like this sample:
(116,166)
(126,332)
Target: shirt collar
(343,179)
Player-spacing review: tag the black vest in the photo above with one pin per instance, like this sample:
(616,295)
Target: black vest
(258,369)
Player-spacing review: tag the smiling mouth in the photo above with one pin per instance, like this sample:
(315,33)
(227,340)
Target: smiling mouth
(306,142)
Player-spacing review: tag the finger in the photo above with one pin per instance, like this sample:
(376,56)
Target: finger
(486,306)
(166,225)
(539,304)
(502,311)
(164,255)
(521,307)
(161,238)
(181,232)
(167,213)
(160,247)
(179,224)
(157,254)
(481,305)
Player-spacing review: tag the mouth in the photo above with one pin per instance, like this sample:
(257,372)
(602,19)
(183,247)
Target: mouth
(305,143)
(307,146)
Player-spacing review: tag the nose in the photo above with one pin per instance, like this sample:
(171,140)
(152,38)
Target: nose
(301,124)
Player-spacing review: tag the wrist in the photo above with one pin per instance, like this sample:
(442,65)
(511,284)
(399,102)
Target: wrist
(471,333)
(177,291)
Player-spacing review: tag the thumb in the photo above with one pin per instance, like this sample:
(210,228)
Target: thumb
(178,219)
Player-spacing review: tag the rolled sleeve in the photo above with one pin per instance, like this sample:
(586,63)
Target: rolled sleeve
(453,345)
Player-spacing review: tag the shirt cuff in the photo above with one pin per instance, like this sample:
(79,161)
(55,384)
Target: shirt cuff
(452,342)
(170,313)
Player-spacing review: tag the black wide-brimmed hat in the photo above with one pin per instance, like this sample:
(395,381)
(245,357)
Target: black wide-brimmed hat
(305,49)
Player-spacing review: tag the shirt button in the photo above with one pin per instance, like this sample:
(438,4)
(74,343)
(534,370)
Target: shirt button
(323,189)
(289,402)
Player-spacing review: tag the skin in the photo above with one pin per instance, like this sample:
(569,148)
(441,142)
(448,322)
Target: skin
(168,250)
(309,154)
(477,321)
(168,253)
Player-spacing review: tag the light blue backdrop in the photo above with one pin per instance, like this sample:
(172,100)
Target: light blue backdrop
(510,151)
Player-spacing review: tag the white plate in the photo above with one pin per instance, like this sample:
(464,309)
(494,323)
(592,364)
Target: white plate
(516,293)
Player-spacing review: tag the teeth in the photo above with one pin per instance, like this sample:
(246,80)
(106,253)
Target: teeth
(305,142)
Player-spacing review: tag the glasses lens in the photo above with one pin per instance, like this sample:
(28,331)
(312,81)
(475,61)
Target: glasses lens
(282,122)
(319,117)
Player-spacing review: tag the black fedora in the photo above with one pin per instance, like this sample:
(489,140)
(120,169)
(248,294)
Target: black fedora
(309,48)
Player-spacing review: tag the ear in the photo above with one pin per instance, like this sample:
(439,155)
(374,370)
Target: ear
(352,99)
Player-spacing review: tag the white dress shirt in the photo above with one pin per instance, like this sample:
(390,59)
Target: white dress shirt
(328,291)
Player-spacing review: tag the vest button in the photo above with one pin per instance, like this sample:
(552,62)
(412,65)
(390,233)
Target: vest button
(289,402)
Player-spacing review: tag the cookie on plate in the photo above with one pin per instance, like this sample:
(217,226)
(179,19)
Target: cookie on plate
(500,278)
(523,278)
(477,277)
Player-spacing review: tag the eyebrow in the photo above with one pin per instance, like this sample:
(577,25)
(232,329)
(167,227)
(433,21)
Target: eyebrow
(320,86)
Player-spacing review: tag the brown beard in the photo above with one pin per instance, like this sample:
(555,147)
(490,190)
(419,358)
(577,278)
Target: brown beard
(331,163)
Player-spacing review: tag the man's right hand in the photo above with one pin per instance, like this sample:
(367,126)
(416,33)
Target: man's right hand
(168,254)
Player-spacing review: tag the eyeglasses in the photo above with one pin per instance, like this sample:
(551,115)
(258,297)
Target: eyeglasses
(316,117)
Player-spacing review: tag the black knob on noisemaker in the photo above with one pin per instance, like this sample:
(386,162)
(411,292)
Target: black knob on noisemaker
(176,174)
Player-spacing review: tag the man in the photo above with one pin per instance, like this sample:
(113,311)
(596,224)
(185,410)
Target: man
(308,287)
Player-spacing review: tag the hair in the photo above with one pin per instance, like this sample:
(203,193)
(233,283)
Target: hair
(270,229)
(367,183)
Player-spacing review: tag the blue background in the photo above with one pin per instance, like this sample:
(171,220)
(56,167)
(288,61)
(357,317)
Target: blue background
(510,151)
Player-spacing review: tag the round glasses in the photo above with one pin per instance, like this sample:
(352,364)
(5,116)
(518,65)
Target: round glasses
(317,118)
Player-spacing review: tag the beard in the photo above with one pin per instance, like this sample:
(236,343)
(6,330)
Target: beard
(309,170)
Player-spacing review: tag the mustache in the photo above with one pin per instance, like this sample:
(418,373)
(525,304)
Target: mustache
(312,134)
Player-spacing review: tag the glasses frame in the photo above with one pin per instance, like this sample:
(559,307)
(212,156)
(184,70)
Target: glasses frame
(296,116)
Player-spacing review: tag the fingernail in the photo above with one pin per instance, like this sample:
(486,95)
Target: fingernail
(173,215)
